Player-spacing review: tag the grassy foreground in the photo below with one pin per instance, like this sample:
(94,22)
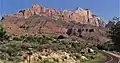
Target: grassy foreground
(16,50)
(98,57)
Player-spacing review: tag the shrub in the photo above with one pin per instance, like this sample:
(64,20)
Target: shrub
(3,35)
(109,47)
(46,61)
(61,37)
(17,39)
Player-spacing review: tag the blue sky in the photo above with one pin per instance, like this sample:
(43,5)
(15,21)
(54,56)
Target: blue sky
(104,8)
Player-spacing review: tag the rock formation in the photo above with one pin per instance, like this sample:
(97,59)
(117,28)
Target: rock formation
(83,16)
(40,20)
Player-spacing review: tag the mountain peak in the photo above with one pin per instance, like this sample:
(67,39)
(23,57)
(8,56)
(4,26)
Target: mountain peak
(79,15)
(36,5)
(78,8)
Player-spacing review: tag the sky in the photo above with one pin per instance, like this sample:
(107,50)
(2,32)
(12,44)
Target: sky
(106,9)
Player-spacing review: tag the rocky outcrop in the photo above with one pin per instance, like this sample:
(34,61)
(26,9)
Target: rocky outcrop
(88,32)
(40,20)
(83,16)
(34,25)
(54,56)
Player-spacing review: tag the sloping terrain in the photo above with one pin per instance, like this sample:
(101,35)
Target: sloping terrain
(31,33)
(42,49)
(40,20)
(34,25)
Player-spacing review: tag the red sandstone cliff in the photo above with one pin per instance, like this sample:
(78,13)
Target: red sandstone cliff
(84,16)
(39,19)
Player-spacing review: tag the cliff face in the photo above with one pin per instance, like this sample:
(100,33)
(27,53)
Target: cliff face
(38,20)
(83,16)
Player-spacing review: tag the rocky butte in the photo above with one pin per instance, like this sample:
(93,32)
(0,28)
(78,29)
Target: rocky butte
(83,16)
(40,19)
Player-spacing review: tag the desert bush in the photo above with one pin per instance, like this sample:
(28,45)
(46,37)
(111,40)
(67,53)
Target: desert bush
(46,61)
(17,38)
(3,35)
(60,37)
(37,43)
(30,39)
(109,47)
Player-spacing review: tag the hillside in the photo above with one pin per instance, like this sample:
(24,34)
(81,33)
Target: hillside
(46,35)
(41,20)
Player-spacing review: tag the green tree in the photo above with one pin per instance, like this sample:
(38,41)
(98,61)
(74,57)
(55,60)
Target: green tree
(3,35)
(114,32)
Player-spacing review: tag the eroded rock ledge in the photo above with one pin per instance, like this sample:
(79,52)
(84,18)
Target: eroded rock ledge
(83,16)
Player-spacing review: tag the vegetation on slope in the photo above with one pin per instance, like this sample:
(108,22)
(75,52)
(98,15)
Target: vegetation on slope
(13,48)
(114,34)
